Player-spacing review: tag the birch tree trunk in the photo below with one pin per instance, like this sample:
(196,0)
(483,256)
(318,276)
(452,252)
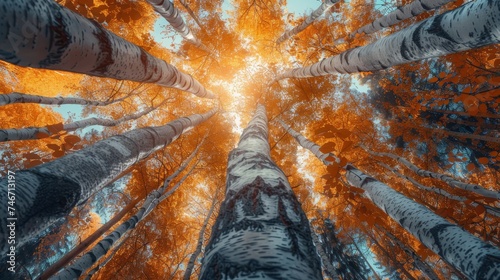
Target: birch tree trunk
(68,257)
(199,245)
(491,210)
(473,25)
(419,263)
(168,11)
(415,8)
(325,6)
(27,133)
(191,13)
(442,177)
(328,267)
(18,97)
(43,34)
(48,192)
(261,231)
(86,261)
(469,254)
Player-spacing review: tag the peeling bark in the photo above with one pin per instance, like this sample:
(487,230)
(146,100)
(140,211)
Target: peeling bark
(18,97)
(49,191)
(261,231)
(473,25)
(43,34)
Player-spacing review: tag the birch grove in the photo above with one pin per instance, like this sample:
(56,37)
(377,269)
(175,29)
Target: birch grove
(447,240)
(80,174)
(401,13)
(50,36)
(100,249)
(260,212)
(454,31)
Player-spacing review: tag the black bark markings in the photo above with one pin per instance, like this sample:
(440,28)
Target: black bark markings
(106,50)
(62,39)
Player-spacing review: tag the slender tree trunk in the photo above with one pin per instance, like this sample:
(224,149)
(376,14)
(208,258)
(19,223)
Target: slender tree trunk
(261,231)
(49,191)
(491,210)
(464,135)
(417,260)
(465,114)
(325,6)
(470,26)
(191,13)
(442,177)
(100,249)
(168,11)
(328,267)
(17,97)
(413,9)
(28,133)
(199,244)
(54,268)
(43,34)
(469,254)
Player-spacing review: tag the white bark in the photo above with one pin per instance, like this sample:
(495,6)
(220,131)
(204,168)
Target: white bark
(413,9)
(17,97)
(470,26)
(199,244)
(49,191)
(442,177)
(44,34)
(191,13)
(469,254)
(27,133)
(261,231)
(325,6)
(86,261)
(328,267)
(168,11)
(491,210)
(309,145)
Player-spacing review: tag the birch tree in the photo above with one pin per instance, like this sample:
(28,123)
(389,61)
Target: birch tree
(325,6)
(470,26)
(169,12)
(261,231)
(50,36)
(152,200)
(413,9)
(47,131)
(18,97)
(442,177)
(49,191)
(473,257)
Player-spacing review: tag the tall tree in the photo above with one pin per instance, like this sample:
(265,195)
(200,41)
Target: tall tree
(261,231)
(401,13)
(49,191)
(472,25)
(325,6)
(444,238)
(47,35)
(171,14)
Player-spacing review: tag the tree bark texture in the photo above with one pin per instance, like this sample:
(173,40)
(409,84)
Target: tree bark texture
(28,133)
(469,254)
(325,6)
(415,8)
(261,231)
(442,177)
(49,191)
(18,97)
(470,26)
(43,34)
(169,12)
